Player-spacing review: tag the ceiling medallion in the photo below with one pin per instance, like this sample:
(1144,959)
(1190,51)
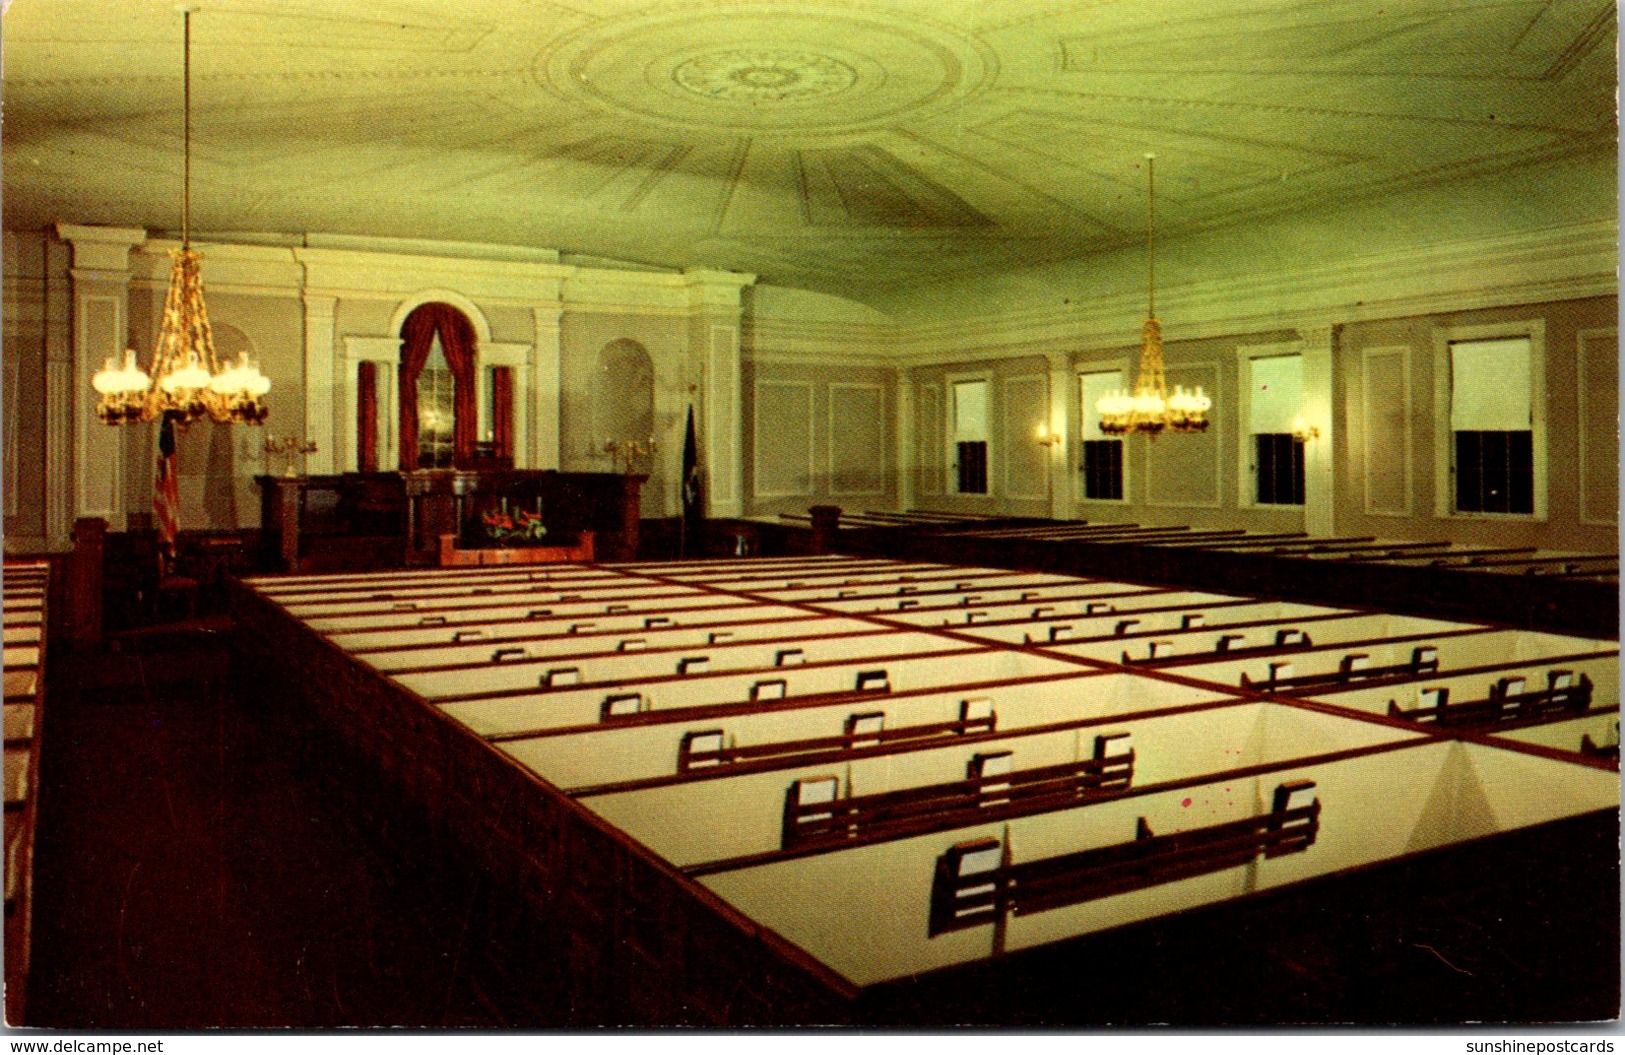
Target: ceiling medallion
(764,76)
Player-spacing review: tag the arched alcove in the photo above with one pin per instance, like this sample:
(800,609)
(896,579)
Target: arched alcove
(623,399)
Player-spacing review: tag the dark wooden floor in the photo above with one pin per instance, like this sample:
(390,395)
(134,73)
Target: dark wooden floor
(188,877)
(190,874)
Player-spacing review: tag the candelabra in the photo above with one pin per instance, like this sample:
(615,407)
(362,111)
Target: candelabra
(290,447)
(628,451)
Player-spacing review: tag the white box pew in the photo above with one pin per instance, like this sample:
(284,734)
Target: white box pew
(1176,648)
(1594,731)
(922,604)
(569,707)
(1062,605)
(865,912)
(1132,623)
(1471,648)
(782,569)
(301,602)
(388,602)
(617,753)
(1477,684)
(428,630)
(280,586)
(482,643)
(519,674)
(21,635)
(947,587)
(410,613)
(670,819)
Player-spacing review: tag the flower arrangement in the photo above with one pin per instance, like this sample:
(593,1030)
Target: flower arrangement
(519,526)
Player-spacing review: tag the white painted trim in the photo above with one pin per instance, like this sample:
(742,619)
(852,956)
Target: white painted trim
(372,349)
(482,327)
(1366,355)
(756,437)
(903,439)
(1583,339)
(880,390)
(1246,467)
(93,462)
(950,454)
(327,419)
(544,406)
(1215,429)
(724,469)
(931,484)
(1444,477)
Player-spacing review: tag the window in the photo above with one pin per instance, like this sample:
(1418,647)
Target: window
(436,410)
(1274,411)
(1492,425)
(1102,455)
(970,417)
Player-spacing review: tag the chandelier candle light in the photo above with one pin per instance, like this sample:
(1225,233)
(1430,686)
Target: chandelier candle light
(186,378)
(1151,409)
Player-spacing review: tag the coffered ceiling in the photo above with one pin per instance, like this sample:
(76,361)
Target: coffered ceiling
(848,146)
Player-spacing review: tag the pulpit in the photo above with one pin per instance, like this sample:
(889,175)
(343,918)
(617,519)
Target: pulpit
(303,518)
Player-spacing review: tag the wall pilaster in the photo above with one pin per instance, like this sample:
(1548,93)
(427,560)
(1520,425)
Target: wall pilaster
(80,447)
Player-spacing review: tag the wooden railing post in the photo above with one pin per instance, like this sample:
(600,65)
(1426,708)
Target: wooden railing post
(84,622)
(826,522)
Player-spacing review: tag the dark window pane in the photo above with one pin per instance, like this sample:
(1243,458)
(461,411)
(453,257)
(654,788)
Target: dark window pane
(972,467)
(1103,469)
(1495,472)
(1278,466)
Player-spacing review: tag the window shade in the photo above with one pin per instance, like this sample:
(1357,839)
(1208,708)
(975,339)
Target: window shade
(1276,397)
(1094,386)
(970,410)
(1490,385)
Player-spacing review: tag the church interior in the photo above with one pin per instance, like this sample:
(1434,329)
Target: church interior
(522,514)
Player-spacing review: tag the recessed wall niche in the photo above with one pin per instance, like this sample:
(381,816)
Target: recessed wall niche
(623,400)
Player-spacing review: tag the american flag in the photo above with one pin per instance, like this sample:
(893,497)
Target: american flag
(166,499)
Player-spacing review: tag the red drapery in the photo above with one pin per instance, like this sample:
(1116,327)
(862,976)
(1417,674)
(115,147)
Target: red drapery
(457,342)
(502,411)
(366,408)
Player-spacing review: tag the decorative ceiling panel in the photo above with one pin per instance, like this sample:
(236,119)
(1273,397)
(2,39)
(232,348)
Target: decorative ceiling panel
(850,146)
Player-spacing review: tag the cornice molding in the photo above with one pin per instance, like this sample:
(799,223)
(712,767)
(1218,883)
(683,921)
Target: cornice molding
(1560,263)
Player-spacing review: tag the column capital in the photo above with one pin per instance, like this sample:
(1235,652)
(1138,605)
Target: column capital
(715,291)
(319,303)
(101,248)
(1318,336)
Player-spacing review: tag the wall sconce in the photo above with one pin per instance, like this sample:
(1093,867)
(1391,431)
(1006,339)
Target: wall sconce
(1046,436)
(1303,432)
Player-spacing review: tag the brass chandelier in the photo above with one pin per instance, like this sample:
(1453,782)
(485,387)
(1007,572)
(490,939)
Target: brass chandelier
(187,379)
(1150,409)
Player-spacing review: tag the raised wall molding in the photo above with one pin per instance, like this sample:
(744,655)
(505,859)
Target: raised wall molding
(1376,393)
(1597,377)
(328,409)
(546,359)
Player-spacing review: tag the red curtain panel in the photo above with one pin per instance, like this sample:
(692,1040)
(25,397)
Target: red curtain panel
(366,408)
(457,341)
(502,410)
